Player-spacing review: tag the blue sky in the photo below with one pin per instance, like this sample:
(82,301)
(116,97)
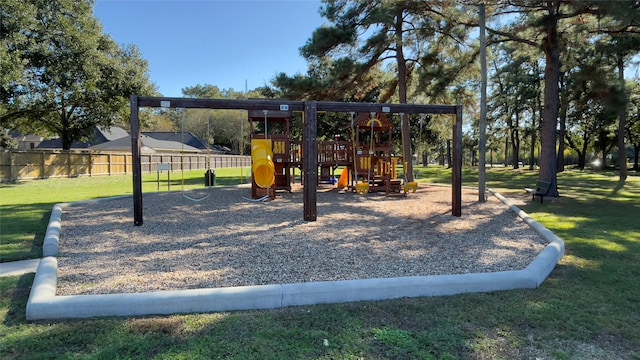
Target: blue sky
(223,43)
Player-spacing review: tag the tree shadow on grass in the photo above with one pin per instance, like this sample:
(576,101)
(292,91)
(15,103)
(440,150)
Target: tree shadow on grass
(15,292)
(18,221)
(619,186)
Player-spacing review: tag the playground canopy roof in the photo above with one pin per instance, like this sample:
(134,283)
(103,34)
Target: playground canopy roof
(379,121)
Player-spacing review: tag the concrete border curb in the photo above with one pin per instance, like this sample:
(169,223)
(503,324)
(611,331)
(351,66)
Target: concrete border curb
(52,236)
(546,261)
(44,304)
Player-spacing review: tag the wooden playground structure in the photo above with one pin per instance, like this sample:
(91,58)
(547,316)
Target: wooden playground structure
(367,160)
(310,155)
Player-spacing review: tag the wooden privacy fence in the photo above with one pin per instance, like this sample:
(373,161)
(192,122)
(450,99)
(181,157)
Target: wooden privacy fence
(41,164)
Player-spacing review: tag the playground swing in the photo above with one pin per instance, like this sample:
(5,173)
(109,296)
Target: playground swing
(182,159)
(369,162)
(260,199)
(361,187)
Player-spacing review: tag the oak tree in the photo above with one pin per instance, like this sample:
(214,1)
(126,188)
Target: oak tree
(65,76)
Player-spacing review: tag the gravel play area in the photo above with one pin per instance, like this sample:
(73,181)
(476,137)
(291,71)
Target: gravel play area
(227,240)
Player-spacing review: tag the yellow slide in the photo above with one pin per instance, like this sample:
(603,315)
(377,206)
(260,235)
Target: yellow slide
(262,167)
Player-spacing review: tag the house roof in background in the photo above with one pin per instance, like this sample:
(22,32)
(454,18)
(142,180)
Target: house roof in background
(112,133)
(187,138)
(26,138)
(56,144)
(117,139)
(124,144)
(100,135)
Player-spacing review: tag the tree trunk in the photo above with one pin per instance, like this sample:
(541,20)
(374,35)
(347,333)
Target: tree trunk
(602,146)
(548,134)
(582,153)
(581,160)
(402,94)
(515,141)
(622,151)
(506,150)
(65,131)
(532,148)
(563,129)
(636,157)
(66,139)
(540,116)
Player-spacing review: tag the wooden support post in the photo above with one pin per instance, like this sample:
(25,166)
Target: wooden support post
(456,190)
(310,161)
(137,168)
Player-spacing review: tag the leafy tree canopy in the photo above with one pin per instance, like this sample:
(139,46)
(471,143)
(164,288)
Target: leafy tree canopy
(61,75)
(368,38)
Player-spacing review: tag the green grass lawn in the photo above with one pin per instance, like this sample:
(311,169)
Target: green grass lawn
(25,207)
(586,309)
